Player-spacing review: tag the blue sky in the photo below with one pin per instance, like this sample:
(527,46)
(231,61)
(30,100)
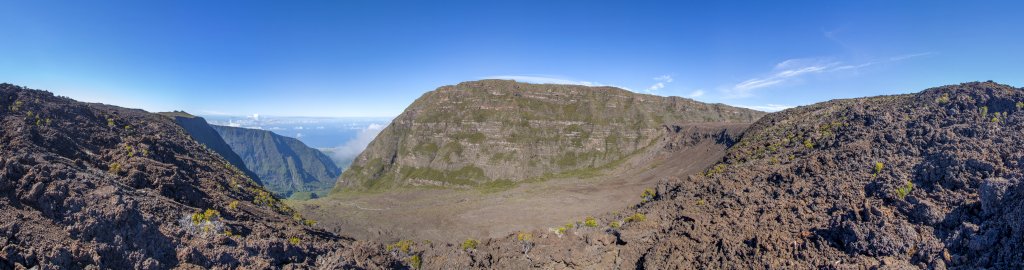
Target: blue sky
(373,58)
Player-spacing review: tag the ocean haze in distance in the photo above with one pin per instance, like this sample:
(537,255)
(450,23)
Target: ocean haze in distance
(341,138)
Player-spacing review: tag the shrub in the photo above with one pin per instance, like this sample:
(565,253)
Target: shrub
(1020,105)
(700,201)
(415,262)
(878,168)
(614,225)
(943,99)
(233,205)
(904,190)
(263,198)
(638,217)
(404,246)
(648,195)
(984,111)
(309,222)
(808,143)
(469,244)
(717,169)
(524,237)
(115,168)
(206,223)
(294,241)
(590,222)
(110,123)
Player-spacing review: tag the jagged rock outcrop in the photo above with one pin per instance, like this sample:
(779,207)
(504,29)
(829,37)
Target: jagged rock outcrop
(479,132)
(285,165)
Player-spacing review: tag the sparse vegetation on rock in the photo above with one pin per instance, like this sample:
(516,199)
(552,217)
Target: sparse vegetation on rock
(469,244)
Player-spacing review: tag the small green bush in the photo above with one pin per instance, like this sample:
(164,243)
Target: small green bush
(115,168)
(638,217)
(717,169)
(415,261)
(648,195)
(1020,105)
(878,168)
(524,237)
(294,241)
(469,244)
(904,190)
(233,205)
(808,143)
(405,246)
(110,123)
(614,225)
(590,222)
(700,202)
(263,198)
(943,99)
(984,111)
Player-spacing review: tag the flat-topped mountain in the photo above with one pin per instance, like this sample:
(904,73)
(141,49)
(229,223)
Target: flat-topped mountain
(495,132)
(285,165)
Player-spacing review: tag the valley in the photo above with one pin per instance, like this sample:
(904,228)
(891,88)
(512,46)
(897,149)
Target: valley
(447,215)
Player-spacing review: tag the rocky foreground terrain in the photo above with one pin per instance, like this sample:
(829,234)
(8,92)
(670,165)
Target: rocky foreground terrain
(928,180)
(91,186)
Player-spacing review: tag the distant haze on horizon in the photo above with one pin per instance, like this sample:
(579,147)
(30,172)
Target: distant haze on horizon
(373,58)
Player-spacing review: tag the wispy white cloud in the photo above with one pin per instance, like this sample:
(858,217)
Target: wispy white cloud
(696,93)
(766,107)
(660,83)
(345,153)
(793,69)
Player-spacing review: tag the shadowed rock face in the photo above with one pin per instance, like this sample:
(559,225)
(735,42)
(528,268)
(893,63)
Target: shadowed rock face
(91,185)
(475,133)
(286,165)
(800,190)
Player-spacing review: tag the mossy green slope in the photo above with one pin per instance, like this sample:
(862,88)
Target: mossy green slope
(476,133)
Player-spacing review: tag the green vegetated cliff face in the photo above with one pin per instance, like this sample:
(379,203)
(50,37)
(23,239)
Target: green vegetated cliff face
(285,165)
(497,132)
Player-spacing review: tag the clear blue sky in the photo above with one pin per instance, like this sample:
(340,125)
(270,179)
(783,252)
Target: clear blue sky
(373,58)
